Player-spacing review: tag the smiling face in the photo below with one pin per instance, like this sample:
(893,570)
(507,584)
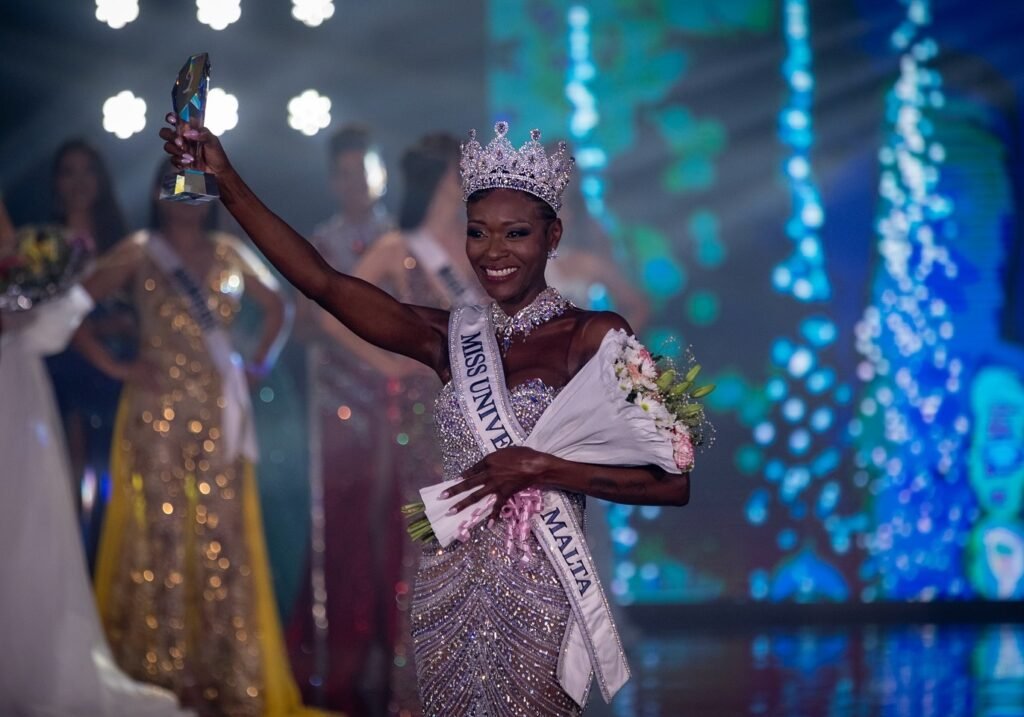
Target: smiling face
(508,236)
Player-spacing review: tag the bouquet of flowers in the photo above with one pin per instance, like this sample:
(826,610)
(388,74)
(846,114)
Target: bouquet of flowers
(625,407)
(44,261)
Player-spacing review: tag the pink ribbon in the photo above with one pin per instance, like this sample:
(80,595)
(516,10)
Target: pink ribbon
(517,512)
(474,519)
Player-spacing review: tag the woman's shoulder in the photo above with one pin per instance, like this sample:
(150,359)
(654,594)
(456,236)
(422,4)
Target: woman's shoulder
(130,250)
(390,244)
(589,331)
(384,256)
(237,252)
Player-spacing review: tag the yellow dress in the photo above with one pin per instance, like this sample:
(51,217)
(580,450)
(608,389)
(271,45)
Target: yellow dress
(182,580)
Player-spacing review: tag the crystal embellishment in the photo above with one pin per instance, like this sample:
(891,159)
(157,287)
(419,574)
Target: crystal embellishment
(531,169)
(190,89)
(547,305)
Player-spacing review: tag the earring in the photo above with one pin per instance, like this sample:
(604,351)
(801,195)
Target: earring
(552,253)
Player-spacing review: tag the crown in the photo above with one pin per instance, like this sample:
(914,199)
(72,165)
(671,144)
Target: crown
(528,169)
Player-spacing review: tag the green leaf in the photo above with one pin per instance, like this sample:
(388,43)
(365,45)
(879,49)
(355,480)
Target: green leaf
(692,373)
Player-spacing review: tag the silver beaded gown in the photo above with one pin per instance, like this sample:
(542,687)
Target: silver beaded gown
(487,628)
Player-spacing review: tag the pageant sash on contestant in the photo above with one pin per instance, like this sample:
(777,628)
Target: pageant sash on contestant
(591,644)
(239,431)
(440,272)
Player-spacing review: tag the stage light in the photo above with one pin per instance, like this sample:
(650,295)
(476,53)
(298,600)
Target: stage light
(793,409)
(764,433)
(221,111)
(312,13)
(376,174)
(124,114)
(906,336)
(218,14)
(117,13)
(757,507)
(309,113)
(802,275)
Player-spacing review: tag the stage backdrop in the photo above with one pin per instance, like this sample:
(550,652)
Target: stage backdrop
(822,198)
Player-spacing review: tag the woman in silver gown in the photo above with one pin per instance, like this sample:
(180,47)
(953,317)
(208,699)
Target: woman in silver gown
(488,627)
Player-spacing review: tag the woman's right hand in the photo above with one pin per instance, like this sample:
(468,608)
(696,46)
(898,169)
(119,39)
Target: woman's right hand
(193,148)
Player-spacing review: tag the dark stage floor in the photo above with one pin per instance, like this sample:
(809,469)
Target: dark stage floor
(863,671)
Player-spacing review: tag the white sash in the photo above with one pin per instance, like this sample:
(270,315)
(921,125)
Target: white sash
(239,431)
(442,275)
(591,643)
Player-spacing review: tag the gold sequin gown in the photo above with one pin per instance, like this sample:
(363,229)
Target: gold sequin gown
(182,580)
(487,629)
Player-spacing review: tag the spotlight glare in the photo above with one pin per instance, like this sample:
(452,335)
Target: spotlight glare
(218,14)
(309,113)
(312,13)
(376,174)
(124,114)
(117,13)
(221,111)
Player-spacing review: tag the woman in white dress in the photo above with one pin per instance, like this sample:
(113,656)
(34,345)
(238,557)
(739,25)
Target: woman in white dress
(55,661)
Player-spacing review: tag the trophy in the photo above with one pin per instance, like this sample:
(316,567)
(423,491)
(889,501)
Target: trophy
(191,186)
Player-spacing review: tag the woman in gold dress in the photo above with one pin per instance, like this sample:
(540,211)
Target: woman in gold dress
(182,581)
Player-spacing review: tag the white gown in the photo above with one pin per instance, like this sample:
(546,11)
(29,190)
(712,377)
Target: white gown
(54,659)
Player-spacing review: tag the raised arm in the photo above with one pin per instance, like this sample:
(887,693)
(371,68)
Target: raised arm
(370,313)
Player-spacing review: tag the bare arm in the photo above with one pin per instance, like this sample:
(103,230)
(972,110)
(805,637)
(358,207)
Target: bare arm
(112,272)
(509,470)
(265,290)
(370,313)
(277,318)
(378,268)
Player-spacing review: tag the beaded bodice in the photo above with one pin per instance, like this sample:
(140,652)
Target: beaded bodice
(459,450)
(488,627)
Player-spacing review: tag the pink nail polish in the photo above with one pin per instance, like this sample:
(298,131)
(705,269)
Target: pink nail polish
(451,511)
(187,158)
(177,141)
(444,495)
(192,133)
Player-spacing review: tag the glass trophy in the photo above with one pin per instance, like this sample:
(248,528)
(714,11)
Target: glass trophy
(191,186)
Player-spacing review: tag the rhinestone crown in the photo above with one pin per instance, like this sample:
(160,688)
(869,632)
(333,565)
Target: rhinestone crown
(529,169)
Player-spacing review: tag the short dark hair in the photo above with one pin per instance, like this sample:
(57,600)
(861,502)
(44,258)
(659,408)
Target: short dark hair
(423,166)
(350,138)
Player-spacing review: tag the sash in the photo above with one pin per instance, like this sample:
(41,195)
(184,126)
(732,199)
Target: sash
(442,275)
(591,643)
(238,427)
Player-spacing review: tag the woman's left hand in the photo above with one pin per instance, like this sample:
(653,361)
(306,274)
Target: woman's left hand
(501,474)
